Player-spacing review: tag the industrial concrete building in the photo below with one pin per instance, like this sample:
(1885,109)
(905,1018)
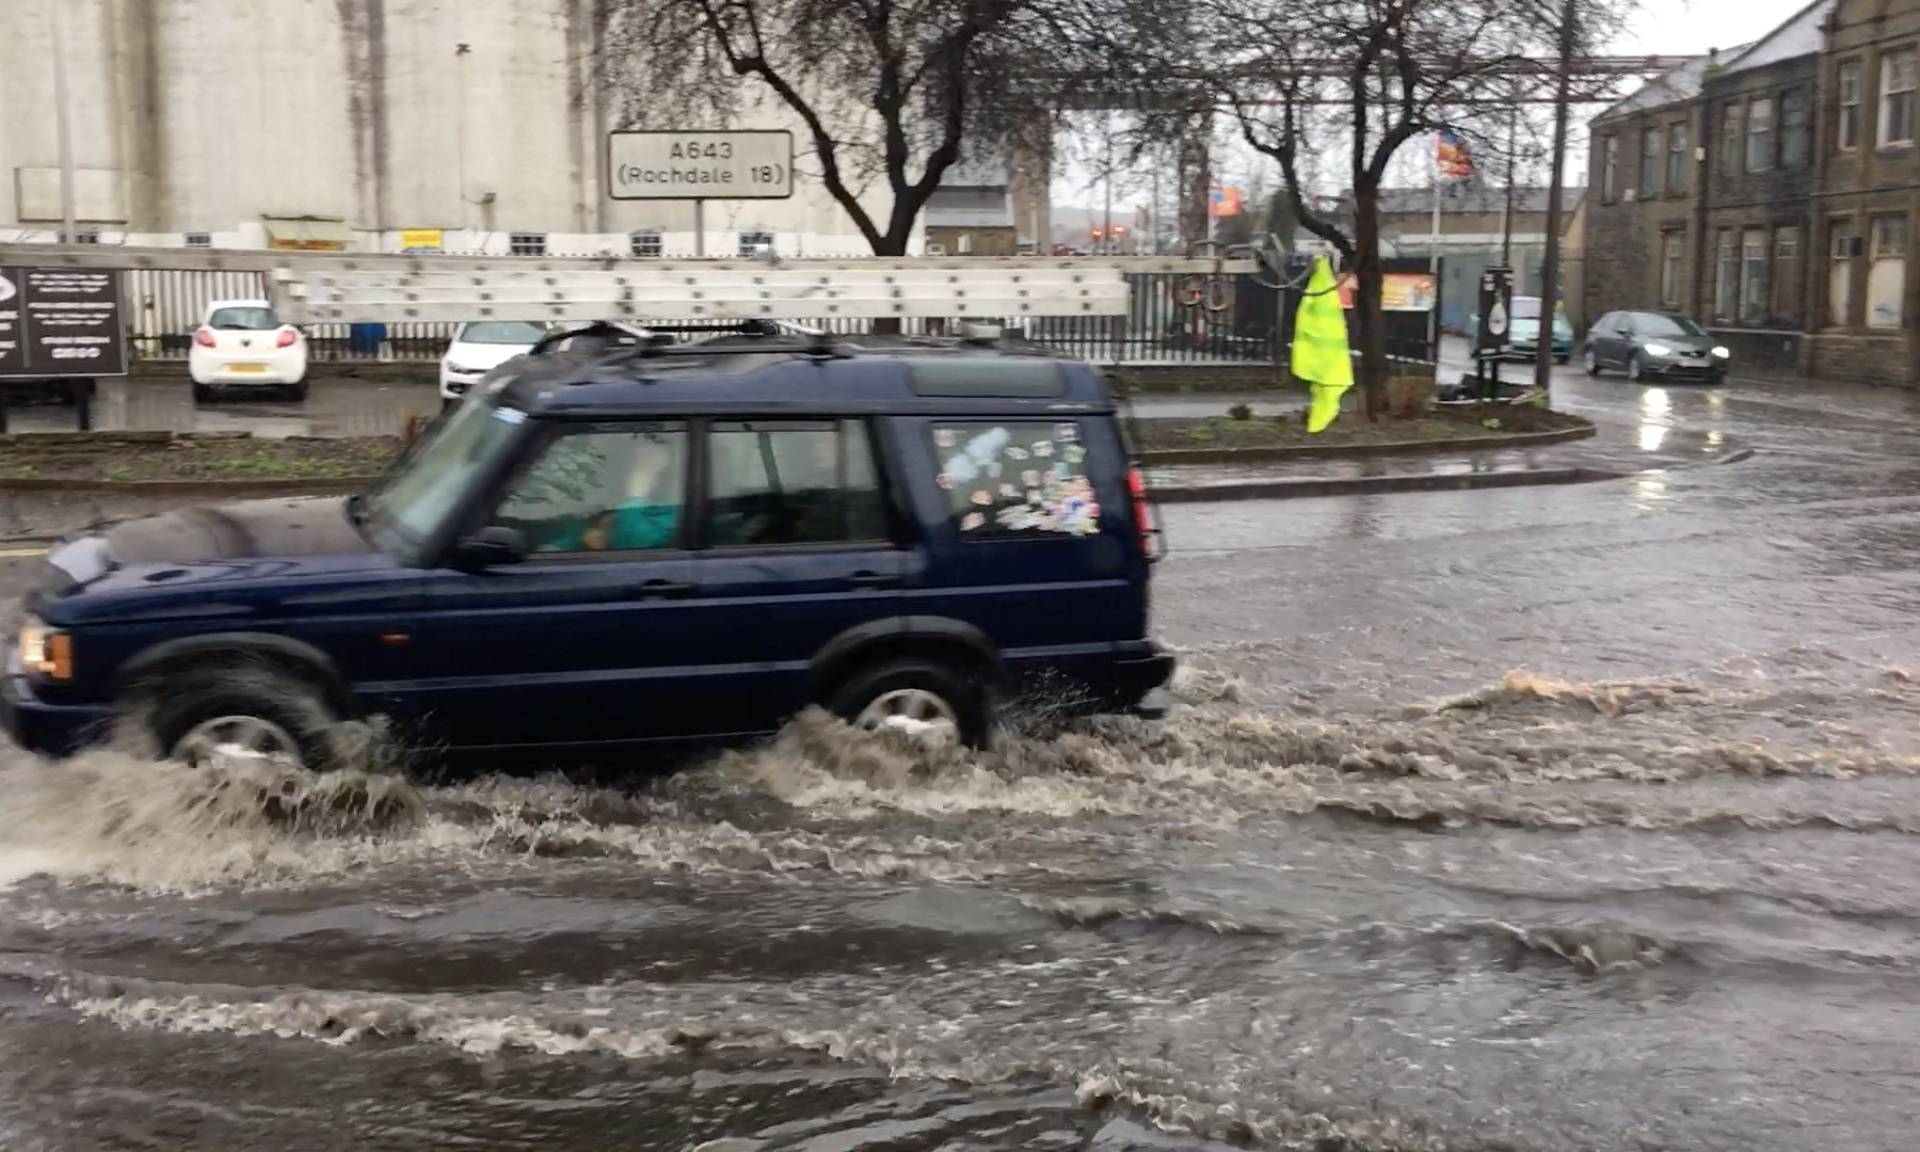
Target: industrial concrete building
(374,125)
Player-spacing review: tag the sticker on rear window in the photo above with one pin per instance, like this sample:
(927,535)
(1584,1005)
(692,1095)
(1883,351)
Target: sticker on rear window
(1056,497)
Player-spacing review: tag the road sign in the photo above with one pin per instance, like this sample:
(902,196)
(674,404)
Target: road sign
(61,322)
(701,165)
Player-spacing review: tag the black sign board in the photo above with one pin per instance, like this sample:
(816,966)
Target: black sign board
(61,322)
(1496,310)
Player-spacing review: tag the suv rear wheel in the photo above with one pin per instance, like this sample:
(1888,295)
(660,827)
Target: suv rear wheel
(914,694)
(247,707)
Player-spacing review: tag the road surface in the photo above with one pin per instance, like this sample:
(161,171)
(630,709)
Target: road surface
(1552,818)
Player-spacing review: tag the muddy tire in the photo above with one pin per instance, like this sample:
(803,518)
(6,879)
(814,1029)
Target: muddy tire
(1593,363)
(202,394)
(258,708)
(920,688)
(1637,369)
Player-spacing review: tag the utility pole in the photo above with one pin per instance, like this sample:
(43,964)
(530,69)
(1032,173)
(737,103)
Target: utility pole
(62,123)
(1550,271)
(1106,227)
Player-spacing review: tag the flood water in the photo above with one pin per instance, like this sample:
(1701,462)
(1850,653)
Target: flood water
(1563,818)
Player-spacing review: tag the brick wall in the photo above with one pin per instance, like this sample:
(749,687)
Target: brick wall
(1624,234)
(1775,199)
(1856,186)
(1871,359)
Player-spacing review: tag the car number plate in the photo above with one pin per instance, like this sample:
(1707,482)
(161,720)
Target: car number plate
(246,367)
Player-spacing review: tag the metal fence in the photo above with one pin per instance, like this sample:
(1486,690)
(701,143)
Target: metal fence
(1163,326)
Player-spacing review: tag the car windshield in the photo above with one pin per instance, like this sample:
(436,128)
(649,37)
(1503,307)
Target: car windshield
(1655,324)
(501,332)
(1526,308)
(247,318)
(416,498)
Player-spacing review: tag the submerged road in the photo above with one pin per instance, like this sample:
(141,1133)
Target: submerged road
(1547,818)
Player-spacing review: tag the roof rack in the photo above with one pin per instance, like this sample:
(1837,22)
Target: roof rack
(345,287)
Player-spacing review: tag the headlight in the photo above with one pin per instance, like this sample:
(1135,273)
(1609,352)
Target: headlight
(45,651)
(1659,350)
(1720,350)
(463,370)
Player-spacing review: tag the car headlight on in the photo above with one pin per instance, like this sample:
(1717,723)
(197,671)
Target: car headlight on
(1659,350)
(1720,351)
(463,370)
(44,651)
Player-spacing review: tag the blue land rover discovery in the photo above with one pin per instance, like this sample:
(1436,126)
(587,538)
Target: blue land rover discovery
(610,545)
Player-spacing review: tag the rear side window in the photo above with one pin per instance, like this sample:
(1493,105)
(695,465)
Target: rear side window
(780,482)
(1016,479)
(242,319)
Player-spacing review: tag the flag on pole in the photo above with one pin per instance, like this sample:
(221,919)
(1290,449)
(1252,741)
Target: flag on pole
(1225,201)
(1451,157)
(1320,353)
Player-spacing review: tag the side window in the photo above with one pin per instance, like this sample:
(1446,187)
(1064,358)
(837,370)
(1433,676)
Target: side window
(1016,479)
(603,488)
(779,482)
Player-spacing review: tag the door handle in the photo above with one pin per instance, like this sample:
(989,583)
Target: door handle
(873,579)
(665,588)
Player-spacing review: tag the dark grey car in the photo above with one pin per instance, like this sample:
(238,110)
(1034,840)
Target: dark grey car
(1654,344)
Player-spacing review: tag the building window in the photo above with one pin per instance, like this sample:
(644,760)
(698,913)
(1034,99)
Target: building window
(1753,275)
(1786,272)
(1676,159)
(1609,168)
(755,243)
(1887,272)
(1650,162)
(644,244)
(1844,244)
(199,240)
(1896,98)
(527,243)
(1730,137)
(1672,267)
(1794,126)
(1760,134)
(1847,131)
(1726,281)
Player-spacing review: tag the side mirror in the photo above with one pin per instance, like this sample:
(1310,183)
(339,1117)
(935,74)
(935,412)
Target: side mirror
(490,548)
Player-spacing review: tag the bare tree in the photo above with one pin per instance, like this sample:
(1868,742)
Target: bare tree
(1373,75)
(891,92)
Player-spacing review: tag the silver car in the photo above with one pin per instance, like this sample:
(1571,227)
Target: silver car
(1655,344)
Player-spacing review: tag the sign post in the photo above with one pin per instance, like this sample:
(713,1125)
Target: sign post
(700,166)
(1496,320)
(61,323)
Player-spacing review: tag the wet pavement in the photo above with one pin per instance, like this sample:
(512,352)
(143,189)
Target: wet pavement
(1553,818)
(335,406)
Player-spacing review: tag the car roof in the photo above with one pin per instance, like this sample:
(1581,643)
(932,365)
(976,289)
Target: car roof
(803,376)
(215,305)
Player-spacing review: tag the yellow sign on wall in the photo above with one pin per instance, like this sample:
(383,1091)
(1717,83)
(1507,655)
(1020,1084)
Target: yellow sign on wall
(421,239)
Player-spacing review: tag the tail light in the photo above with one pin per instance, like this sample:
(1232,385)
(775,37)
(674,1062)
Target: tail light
(203,337)
(1143,520)
(287,338)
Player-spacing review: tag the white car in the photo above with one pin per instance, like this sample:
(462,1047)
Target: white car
(480,346)
(242,344)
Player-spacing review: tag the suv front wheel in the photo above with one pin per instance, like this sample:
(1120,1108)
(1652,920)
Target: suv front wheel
(249,708)
(918,696)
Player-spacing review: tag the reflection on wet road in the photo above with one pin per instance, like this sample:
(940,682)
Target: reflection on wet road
(1581,817)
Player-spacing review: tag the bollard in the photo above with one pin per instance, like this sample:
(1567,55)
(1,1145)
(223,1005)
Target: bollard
(83,404)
